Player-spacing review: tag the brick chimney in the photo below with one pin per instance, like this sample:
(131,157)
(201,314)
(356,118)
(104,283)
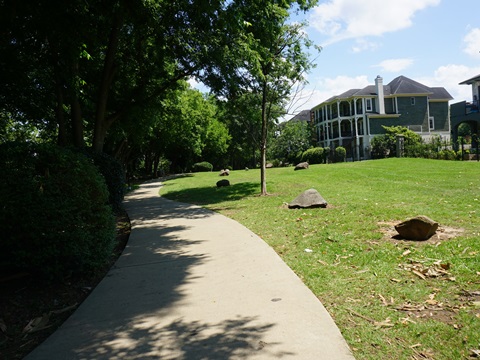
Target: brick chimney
(380,97)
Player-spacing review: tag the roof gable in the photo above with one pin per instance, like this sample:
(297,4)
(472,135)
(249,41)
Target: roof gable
(403,85)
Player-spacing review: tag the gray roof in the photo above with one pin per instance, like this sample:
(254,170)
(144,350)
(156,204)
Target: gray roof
(440,93)
(470,81)
(401,85)
(303,115)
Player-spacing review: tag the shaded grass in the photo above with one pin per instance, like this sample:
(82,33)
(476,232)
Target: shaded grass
(354,269)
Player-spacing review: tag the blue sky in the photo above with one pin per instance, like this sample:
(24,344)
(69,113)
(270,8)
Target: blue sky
(435,42)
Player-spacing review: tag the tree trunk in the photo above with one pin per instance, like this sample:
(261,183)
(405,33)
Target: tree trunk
(62,139)
(101,124)
(263,142)
(77,122)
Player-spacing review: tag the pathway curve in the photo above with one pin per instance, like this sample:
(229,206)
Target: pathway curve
(193,284)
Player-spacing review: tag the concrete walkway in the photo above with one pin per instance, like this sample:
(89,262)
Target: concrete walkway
(193,284)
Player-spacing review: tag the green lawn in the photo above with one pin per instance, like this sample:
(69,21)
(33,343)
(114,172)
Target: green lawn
(362,276)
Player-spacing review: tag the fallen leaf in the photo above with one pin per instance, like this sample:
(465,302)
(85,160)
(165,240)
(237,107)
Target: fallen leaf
(476,304)
(419,274)
(37,324)
(475,352)
(406,252)
(383,300)
(386,323)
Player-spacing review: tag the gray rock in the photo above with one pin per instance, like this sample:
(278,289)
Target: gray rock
(269,165)
(417,228)
(308,199)
(301,166)
(223,182)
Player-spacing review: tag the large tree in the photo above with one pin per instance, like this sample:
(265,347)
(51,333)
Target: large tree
(270,60)
(76,68)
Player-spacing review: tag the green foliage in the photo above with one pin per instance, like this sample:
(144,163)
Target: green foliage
(379,147)
(54,216)
(114,175)
(340,154)
(276,163)
(202,166)
(313,155)
(326,154)
(386,145)
(243,118)
(293,139)
(464,130)
(447,154)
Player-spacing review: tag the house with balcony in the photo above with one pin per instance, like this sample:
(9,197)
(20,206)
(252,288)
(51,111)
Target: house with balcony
(467,111)
(353,118)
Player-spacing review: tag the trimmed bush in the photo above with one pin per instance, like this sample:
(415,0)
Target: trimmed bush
(340,154)
(54,211)
(447,155)
(202,166)
(313,155)
(326,154)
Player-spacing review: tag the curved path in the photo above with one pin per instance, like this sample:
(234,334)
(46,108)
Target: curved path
(193,284)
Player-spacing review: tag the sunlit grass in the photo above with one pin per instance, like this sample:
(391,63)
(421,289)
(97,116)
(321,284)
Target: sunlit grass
(354,268)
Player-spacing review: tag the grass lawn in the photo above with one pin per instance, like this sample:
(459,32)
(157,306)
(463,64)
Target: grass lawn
(390,298)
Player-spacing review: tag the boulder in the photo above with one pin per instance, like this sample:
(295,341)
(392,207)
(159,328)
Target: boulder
(301,166)
(308,199)
(417,228)
(223,182)
(269,165)
(224,172)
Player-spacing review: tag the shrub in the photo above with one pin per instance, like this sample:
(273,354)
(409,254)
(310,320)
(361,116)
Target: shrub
(313,155)
(340,153)
(202,166)
(326,154)
(448,154)
(380,147)
(54,216)
(114,175)
(276,163)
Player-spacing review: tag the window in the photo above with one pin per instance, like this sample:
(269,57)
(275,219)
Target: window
(369,104)
(431,123)
(412,101)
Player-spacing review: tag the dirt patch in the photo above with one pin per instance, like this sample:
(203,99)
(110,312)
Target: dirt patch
(443,233)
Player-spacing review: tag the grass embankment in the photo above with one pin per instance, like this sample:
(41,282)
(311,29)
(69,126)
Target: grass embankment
(390,298)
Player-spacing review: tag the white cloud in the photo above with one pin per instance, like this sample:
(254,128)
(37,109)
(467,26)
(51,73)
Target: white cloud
(346,19)
(472,43)
(394,65)
(449,77)
(364,45)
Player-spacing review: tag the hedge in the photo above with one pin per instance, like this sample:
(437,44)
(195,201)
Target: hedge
(54,212)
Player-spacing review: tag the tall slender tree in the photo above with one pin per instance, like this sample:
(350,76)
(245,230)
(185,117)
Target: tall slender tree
(271,57)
